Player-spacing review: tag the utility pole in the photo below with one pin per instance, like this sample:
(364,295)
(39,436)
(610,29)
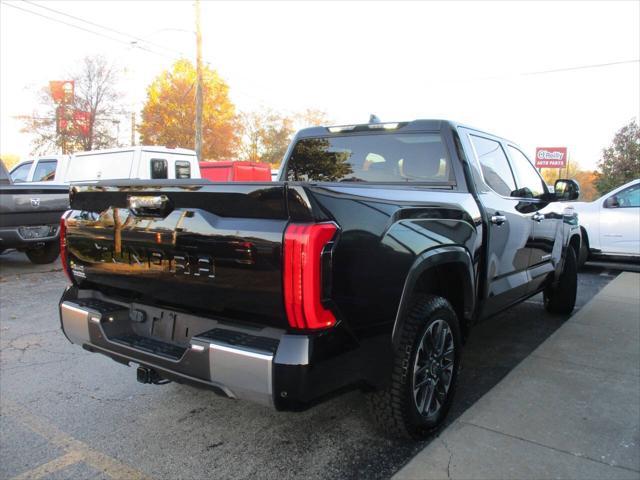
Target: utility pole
(198,84)
(133,128)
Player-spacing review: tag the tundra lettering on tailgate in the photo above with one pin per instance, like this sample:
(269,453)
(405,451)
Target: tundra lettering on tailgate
(178,263)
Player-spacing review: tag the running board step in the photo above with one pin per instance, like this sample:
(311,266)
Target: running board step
(150,345)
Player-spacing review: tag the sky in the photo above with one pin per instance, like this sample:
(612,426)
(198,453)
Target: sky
(474,62)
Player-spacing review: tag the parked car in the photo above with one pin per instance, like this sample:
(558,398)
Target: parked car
(365,267)
(142,162)
(235,171)
(48,168)
(30,217)
(611,224)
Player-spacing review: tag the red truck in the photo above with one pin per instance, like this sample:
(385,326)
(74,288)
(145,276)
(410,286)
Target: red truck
(235,171)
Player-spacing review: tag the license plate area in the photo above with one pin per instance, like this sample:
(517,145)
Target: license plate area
(167,325)
(163,326)
(36,232)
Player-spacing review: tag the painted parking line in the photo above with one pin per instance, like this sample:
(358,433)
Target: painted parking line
(75,450)
(53,466)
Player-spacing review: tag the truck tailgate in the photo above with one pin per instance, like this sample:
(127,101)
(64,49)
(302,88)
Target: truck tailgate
(25,204)
(213,249)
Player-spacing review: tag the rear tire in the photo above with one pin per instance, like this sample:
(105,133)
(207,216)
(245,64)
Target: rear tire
(561,298)
(46,254)
(425,371)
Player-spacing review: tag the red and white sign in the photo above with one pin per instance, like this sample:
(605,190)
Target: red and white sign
(73,122)
(551,157)
(82,122)
(62,90)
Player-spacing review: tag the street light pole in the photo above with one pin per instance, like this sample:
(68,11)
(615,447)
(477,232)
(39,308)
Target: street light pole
(198,83)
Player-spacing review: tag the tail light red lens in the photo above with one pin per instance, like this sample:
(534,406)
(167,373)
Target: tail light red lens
(63,247)
(303,245)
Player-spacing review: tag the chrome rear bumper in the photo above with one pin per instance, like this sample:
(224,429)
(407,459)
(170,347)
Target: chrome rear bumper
(239,371)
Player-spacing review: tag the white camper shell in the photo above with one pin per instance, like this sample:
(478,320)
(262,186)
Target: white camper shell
(133,162)
(141,162)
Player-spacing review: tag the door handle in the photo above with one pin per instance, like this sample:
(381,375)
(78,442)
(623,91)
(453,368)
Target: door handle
(498,219)
(538,217)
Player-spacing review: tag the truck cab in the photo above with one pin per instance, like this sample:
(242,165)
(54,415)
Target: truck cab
(47,168)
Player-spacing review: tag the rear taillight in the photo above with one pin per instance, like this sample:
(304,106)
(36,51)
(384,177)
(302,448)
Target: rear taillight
(303,246)
(63,247)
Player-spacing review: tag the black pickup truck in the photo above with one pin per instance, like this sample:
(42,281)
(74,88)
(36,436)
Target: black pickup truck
(363,267)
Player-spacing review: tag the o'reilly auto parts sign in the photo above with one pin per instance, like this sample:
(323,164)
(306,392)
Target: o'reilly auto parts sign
(551,157)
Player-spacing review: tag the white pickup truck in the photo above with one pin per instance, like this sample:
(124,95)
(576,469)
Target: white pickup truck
(140,162)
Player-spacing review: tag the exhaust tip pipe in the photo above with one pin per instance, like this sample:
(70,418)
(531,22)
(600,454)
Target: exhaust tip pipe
(148,375)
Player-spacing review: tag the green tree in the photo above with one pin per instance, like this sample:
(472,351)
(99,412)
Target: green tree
(168,116)
(620,162)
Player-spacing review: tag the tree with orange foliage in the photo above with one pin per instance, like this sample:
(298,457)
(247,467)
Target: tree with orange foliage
(587,182)
(586,179)
(168,116)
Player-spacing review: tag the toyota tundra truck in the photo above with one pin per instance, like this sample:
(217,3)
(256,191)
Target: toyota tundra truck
(363,267)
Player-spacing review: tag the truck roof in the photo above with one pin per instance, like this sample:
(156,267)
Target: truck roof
(144,148)
(405,126)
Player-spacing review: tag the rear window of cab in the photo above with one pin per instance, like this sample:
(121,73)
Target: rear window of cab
(382,158)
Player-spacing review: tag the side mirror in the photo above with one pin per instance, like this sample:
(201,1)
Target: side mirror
(612,202)
(566,190)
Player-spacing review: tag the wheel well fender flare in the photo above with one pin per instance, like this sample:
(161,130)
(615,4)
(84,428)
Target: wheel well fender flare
(451,254)
(575,240)
(584,236)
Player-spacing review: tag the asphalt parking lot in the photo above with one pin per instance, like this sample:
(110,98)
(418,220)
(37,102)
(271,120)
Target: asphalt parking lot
(66,413)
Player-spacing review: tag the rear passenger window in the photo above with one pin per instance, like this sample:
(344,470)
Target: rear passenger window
(183,169)
(495,166)
(159,168)
(45,170)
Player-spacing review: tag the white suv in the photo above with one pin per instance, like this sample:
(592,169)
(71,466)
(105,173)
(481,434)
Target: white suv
(611,224)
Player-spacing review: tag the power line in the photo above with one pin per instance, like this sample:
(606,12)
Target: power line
(254,98)
(79,27)
(560,70)
(581,67)
(121,41)
(119,32)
